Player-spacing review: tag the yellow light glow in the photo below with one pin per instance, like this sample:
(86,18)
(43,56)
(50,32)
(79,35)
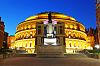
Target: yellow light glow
(75,40)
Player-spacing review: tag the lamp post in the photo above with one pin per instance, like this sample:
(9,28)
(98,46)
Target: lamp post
(97,46)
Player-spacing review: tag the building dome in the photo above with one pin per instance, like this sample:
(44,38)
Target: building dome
(59,17)
(55,15)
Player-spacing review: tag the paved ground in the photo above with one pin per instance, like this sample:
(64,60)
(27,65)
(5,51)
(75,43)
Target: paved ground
(33,61)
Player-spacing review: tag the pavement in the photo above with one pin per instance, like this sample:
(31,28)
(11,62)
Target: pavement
(34,61)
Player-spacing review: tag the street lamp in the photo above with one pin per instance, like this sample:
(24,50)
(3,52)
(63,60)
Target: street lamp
(97,46)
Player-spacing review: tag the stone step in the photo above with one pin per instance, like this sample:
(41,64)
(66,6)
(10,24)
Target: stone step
(25,55)
(65,55)
(75,56)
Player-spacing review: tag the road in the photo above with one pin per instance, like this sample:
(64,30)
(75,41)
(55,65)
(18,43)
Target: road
(33,61)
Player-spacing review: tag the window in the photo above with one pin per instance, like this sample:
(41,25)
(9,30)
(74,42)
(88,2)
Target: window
(74,44)
(12,41)
(70,44)
(61,29)
(54,30)
(39,29)
(30,32)
(26,36)
(78,27)
(74,36)
(31,36)
(26,44)
(30,44)
(45,30)
(69,36)
(66,26)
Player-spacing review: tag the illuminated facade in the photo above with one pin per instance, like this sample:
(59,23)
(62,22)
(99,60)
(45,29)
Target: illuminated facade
(91,38)
(1,32)
(73,32)
(11,41)
(98,19)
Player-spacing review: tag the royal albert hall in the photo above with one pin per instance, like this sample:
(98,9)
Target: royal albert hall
(73,32)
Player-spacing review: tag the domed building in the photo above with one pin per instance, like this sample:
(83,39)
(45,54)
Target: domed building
(51,29)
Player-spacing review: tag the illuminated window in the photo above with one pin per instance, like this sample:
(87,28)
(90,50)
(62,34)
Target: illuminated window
(25,27)
(29,26)
(31,36)
(71,26)
(22,28)
(74,44)
(12,41)
(74,36)
(75,27)
(69,32)
(30,44)
(26,35)
(78,27)
(26,44)
(69,36)
(66,26)
(33,26)
(30,32)
(70,44)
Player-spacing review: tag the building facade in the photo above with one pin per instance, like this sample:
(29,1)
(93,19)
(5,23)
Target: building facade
(98,19)
(91,37)
(73,32)
(1,32)
(11,41)
(5,45)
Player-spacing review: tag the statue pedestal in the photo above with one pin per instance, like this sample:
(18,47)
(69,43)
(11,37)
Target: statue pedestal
(50,51)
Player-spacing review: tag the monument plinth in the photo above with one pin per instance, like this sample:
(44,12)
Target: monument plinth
(50,51)
(49,44)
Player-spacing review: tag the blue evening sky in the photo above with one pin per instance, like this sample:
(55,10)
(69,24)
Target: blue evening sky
(15,11)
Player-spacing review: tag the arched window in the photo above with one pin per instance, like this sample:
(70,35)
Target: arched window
(70,44)
(26,35)
(30,44)
(29,26)
(26,44)
(74,44)
(25,27)
(74,36)
(78,27)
